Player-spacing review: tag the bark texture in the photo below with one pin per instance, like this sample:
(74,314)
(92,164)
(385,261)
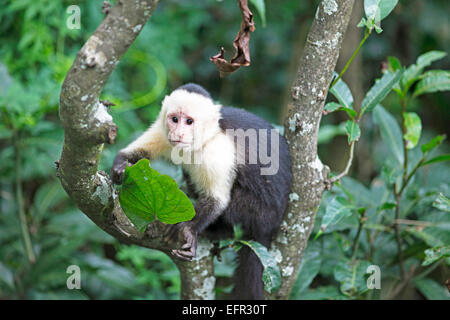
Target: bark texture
(308,94)
(87,126)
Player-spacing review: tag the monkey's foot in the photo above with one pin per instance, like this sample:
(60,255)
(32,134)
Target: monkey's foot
(189,248)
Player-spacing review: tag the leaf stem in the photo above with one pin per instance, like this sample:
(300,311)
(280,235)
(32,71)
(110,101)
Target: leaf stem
(397,237)
(348,165)
(366,36)
(362,220)
(405,144)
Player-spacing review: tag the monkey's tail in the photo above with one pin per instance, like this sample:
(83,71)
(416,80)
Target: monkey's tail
(248,283)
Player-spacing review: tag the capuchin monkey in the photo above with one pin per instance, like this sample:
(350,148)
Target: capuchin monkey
(237,167)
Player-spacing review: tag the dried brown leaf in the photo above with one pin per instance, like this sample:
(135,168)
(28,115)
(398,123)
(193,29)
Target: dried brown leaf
(241,45)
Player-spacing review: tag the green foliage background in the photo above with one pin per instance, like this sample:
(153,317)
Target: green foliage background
(37,49)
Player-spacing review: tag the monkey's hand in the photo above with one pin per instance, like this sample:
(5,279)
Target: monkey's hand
(118,168)
(189,248)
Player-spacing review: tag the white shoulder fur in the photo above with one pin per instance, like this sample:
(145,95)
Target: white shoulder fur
(215,173)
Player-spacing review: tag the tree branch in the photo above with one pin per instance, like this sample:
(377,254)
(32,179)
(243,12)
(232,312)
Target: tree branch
(87,126)
(305,107)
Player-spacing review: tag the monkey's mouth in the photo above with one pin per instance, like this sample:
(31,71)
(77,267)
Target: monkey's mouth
(178,143)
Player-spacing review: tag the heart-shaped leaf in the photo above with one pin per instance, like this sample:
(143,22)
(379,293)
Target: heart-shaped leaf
(146,194)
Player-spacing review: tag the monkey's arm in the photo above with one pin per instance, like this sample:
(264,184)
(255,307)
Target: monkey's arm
(207,210)
(151,144)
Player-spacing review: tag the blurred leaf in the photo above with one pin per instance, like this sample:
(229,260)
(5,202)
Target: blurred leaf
(271,274)
(413,126)
(353,131)
(338,208)
(146,193)
(387,206)
(261,8)
(428,58)
(379,9)
(379,91)
(432,236)
(394,64)
(332,106)
(431,289)
(6,276)
(323,293)
(435,254)
(390,132)
(433,143)
(442,203)
(61,294)
(413,72)
(309,268)
(352,276)
(390,172)
(342,93)
(362,196)
(441,158)
(432,83)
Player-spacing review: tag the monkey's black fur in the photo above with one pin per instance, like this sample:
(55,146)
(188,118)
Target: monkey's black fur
(257,204)
(195,88)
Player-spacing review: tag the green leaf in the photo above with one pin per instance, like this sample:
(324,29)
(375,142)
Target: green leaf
(394,64)
(147,194)
(6,276)
(379,91)
(436,141)
(353,131)
(323,293)
(435,254)
(363,196)
(362,23)
(238,232)
(431,289)
(261,8)
(413,126)
(379,9)
(271,274)
(390,132)
(432,83)
(309,268)
(441,158)
(352,276)
(332,106)
(337,209)
(388,206)
(442,203)
(413,72)
(390,172)
(342,93)
(428,58)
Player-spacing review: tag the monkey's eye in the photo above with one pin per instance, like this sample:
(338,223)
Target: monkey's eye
(175,119)
(189,121)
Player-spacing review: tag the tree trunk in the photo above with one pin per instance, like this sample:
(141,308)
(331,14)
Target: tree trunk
(308,94)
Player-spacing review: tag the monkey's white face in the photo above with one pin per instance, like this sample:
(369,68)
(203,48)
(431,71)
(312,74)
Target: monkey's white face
(181,129)
(190,119)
